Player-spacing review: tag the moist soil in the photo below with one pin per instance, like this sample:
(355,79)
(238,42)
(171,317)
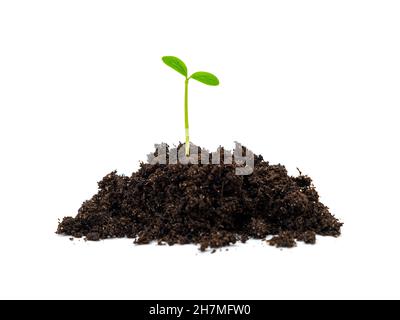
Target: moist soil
(206,205)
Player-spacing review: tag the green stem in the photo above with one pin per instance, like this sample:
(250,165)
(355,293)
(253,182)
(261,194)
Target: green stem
(187,145)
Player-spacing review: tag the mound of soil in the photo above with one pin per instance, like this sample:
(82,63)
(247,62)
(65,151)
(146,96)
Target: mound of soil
(204,204)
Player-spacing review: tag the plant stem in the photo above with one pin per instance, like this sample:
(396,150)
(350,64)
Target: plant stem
(187,144)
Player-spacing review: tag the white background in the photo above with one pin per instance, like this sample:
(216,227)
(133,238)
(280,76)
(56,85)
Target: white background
(309,84)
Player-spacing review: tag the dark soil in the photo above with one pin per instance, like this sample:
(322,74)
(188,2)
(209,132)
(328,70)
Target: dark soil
(204,204)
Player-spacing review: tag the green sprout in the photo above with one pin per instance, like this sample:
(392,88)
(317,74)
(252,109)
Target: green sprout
(204,77)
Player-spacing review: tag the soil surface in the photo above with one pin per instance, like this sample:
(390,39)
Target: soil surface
(204,204)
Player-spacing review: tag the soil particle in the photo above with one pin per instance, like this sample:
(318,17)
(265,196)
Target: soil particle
(285,239)
(205,204)
(308,237)
(93,236)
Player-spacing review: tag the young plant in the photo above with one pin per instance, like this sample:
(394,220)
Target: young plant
(204,77)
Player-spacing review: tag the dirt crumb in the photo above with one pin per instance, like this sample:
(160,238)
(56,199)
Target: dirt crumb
(285,239)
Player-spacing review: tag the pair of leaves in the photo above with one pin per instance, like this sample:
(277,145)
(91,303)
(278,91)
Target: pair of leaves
(179,66)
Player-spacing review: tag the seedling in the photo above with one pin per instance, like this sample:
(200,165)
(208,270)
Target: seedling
(204,77)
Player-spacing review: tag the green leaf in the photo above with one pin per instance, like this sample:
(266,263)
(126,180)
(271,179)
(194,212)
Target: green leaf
(205,77)
(176,64)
